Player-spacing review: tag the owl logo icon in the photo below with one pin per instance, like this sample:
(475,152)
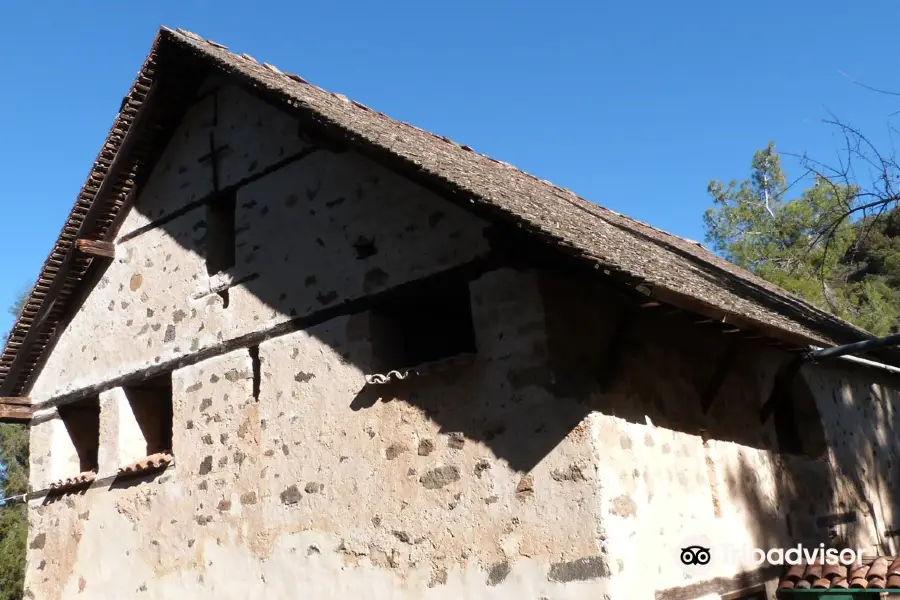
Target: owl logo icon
(695,555)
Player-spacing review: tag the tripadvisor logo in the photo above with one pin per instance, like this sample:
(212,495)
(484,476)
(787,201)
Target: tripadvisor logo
(699,557)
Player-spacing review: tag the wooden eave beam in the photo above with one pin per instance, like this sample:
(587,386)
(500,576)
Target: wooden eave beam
(96,248)
(90,219)
(16,400)
(731,321)
(15,410)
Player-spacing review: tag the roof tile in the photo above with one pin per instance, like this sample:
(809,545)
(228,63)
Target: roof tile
(80,480)
(871,573)
(617,245)
(148,463)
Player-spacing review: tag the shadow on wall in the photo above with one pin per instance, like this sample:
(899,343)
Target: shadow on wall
(829,459)
(846,498)
(201,275)
(357,234)
(520,428)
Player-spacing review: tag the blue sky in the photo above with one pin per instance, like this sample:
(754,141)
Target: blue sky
(635,105)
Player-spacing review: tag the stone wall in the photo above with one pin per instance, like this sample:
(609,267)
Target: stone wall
(322,230)
(312,486)
(671,472)
(569,457)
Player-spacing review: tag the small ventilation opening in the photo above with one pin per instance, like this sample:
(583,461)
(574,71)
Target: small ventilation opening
(424,323)
(151,405)
(257,371)
(220,233)
(82,422)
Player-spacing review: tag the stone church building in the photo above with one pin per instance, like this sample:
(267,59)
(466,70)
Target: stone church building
(288,347)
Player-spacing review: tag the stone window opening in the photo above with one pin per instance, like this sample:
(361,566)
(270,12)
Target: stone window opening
(257,371)
(147,442)
(220,233)
(798,423)
(423,324)
(82,422)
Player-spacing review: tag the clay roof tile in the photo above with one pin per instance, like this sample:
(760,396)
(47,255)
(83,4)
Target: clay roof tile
(876,572)
(678,270)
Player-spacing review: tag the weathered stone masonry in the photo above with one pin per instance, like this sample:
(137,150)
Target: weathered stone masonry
(546,464)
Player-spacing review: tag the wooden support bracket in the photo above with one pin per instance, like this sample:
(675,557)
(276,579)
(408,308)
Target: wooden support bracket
(96,248)
(15,410)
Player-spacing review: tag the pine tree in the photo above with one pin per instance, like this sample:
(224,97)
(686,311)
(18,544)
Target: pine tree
(13,516)
(807,245)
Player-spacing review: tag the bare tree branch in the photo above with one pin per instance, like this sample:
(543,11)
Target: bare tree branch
(868,87)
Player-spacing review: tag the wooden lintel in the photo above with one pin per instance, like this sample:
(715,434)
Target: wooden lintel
(21,400)
(96,248)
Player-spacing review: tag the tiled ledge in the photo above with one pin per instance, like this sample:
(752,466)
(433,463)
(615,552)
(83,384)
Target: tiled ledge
(154,462)
(422,370)
(72,483)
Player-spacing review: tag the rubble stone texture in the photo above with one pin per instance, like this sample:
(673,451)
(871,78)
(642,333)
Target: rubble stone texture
(517,475)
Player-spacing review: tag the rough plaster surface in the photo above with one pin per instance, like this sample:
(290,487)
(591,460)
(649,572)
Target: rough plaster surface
(305,490)
(549,466)
(297,234)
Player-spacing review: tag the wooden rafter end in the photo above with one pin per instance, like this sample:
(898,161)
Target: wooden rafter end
(15,409)
(96,248)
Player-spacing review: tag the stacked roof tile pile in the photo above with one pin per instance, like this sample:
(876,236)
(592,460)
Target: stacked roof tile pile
(873,573)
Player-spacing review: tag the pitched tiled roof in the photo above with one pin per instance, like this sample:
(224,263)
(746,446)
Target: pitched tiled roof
(665,266)
(870,573)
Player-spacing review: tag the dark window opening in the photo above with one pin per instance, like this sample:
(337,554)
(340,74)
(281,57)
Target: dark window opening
(220,233)
(422,324)
(365,248)
(257,371)
(798,423)
(151,404)
(787,430)
(82,421)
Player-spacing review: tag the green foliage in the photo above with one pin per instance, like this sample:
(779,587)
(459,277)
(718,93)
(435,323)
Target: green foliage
(13,535)
(807,244)
(13,517)
(21,299)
